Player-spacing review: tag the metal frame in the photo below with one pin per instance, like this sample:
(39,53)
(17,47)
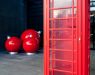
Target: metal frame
(82,50)
(92,5)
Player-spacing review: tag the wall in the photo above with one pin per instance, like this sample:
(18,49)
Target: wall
(35,15)
(12,19)
(17,15)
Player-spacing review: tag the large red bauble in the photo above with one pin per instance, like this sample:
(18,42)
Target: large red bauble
(31,45)
(13,44)
(30,33)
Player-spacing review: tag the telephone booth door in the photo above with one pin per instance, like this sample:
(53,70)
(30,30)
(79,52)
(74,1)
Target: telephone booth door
(66,37)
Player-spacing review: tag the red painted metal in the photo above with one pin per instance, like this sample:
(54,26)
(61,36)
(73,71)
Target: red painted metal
(29,33)
(13,44)
(31,45)
(66,28)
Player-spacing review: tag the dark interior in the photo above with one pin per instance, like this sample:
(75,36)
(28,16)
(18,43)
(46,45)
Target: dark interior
(19,15)
(35,16)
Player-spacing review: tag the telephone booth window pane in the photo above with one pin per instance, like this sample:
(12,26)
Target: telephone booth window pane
(62,13)
(62,3)
(62,24)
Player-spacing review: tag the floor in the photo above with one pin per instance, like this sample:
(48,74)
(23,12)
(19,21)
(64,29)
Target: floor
(92,61)
(22,64)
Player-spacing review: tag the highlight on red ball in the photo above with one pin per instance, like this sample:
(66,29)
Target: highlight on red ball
(13,44)
(30,33)
(30,39)
(30,46)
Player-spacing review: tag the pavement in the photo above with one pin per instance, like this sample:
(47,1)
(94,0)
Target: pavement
(21,64)
(92,62)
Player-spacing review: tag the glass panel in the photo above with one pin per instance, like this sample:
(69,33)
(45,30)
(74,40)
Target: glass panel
(63,55)
(62,65)
(62,3)
(59,23)
(51,3)
(51,23)
(61,44)
(75,2)
(51,13)
(61,34)
(94,3)
(50,64)
(75,12)
(61,73)
(62,13)
(91,4)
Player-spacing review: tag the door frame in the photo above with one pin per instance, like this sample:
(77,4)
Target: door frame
(83,19)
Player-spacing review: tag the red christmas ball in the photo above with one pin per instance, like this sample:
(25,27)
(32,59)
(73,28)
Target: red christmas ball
(31,45)
(30,33)
(12,44)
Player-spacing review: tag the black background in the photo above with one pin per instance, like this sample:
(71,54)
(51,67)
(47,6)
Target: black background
(18,15)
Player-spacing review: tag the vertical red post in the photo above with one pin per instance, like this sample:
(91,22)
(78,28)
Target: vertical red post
(85,37)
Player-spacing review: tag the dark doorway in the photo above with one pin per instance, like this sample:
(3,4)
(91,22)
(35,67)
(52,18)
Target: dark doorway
(35,16)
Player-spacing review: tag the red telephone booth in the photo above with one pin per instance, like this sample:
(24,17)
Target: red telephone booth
(66,35)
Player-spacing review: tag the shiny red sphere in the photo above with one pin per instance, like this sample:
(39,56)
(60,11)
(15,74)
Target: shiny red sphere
(13,44)
(30,33)
(31,45)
